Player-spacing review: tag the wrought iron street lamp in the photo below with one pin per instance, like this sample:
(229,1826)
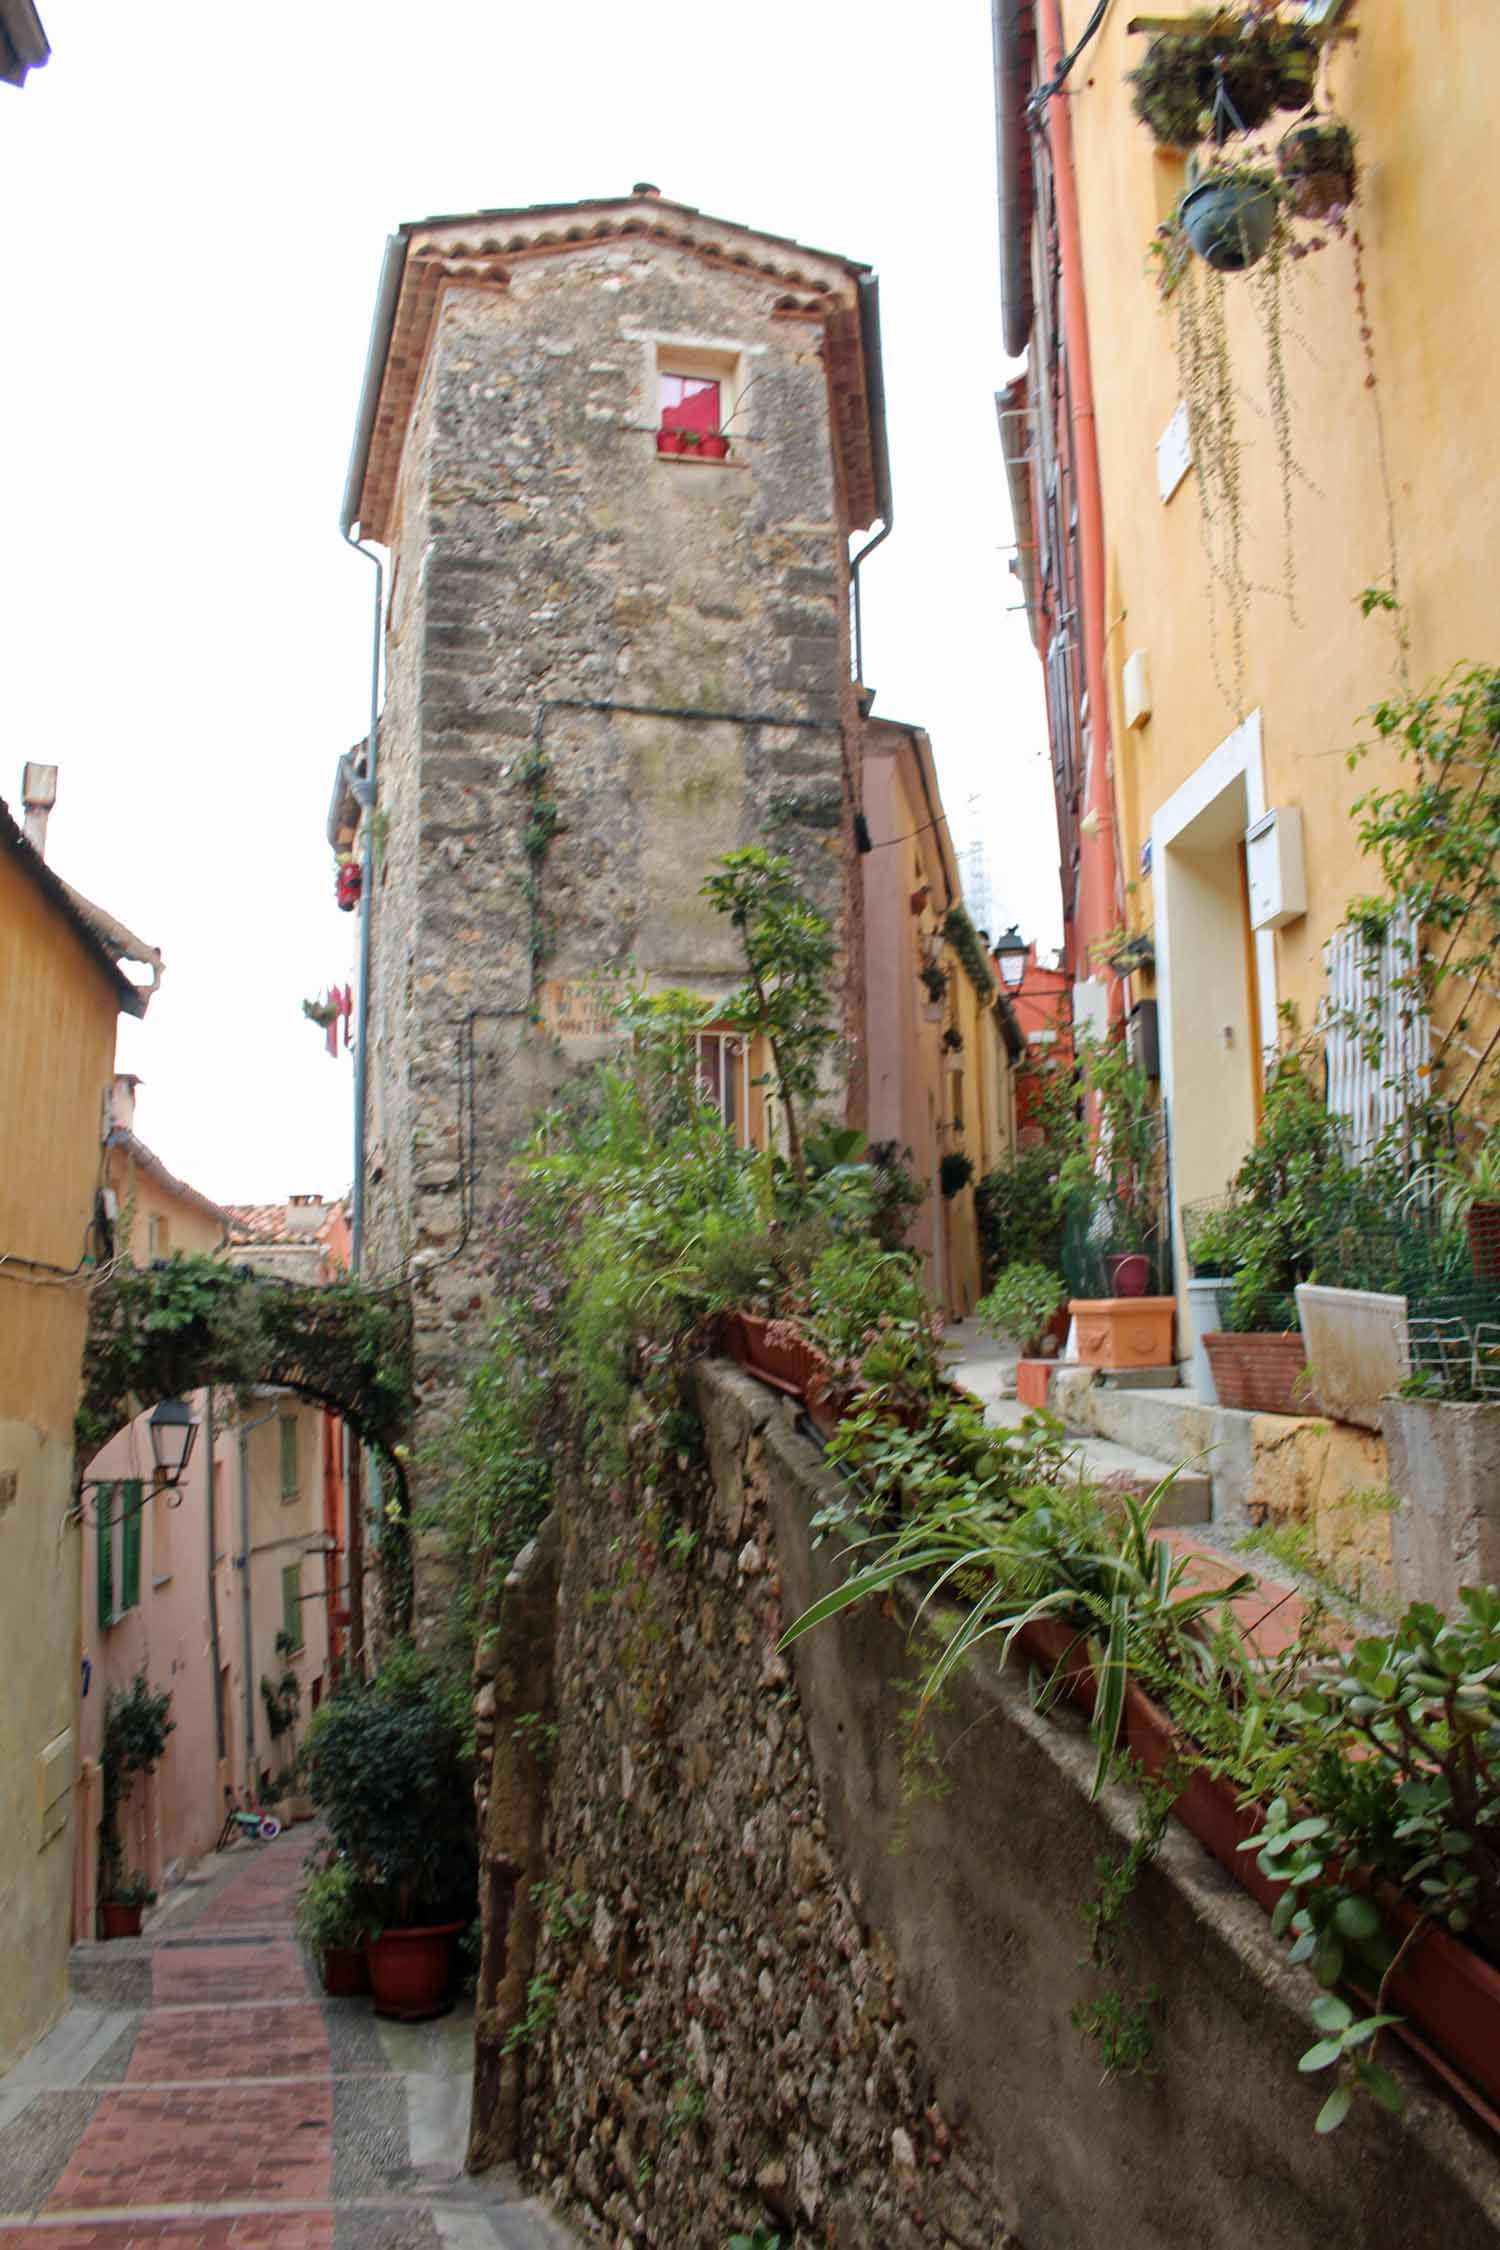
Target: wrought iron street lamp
(1013,953)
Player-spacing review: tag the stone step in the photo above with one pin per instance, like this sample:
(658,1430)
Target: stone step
(1173,1426)
(1120,1468)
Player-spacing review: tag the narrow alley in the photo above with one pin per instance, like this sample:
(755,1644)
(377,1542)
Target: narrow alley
(201,2092)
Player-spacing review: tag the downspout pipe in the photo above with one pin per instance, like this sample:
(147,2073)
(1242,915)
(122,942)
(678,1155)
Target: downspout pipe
(221,1735)
(869,331)
(1098,904)
(247,1658)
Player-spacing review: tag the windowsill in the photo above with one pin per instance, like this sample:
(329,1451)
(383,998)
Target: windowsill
(702,461)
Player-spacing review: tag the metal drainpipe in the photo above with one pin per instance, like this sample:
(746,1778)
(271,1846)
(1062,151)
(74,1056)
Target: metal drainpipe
(221,1739)
(366,793)
(247,1429)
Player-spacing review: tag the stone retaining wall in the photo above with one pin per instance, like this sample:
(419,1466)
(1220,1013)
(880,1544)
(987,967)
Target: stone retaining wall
(765,1989)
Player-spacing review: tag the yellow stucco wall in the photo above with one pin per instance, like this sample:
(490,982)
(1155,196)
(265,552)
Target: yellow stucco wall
(57,1032)
(1416,85)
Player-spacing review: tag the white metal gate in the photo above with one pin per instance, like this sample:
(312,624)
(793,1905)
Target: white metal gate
(1376,1034)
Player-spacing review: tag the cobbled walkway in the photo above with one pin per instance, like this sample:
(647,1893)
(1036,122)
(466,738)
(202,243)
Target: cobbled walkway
(202,2093)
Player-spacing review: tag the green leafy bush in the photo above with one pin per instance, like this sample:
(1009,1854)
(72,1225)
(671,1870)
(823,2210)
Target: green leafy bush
(386,1767)
(1024,1301)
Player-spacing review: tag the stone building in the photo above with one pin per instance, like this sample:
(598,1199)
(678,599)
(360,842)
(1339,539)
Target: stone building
(616,451)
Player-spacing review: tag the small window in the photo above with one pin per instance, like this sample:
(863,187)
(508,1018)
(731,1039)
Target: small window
(291,1603)
(104,1505)
(724,1079)
(690,402)
(158,1237)
(120,1507)
(288,1456)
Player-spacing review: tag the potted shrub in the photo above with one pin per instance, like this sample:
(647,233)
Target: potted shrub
(387,1769)
(1472,1199)
(333,1920)
(1023,1305)
(137,1722)
(126,1900)
(714,445)
(670,441)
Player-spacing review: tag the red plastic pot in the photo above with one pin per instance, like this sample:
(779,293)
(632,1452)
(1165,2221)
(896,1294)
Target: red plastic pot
(1047,1641)
(116,1920)
(349,885)
(411,1971)
(1129,1273)
(714,445)
(345,1971)
(670,441)
(785,1362)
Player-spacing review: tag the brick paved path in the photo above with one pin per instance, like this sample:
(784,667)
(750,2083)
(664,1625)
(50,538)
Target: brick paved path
(217,2101)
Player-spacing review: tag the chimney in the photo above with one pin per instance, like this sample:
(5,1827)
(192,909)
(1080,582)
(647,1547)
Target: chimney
(646,187)
(305,1213)
(122,1102)
(38,796)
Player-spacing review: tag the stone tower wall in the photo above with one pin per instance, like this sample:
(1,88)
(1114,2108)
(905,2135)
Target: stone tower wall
(542,553)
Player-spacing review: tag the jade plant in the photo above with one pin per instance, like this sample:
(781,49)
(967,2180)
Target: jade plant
(1023,1303)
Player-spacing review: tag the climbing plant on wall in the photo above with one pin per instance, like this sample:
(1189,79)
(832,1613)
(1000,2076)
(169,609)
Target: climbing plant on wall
(163,1330)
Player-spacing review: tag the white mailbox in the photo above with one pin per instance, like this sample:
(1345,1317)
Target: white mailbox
(1275,871)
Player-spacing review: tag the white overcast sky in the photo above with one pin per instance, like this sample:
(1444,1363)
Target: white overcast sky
(195,199)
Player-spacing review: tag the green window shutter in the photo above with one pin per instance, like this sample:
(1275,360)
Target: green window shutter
(291,1603)
(130,1545)
(104,1547)
(289,1457)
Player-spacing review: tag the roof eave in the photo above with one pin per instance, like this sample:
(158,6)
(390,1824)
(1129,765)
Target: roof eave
(1013,25)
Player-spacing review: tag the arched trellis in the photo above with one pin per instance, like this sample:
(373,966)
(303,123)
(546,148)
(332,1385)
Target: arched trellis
(163,1330)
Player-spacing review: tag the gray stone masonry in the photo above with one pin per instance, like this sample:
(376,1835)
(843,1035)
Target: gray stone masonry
(542,552)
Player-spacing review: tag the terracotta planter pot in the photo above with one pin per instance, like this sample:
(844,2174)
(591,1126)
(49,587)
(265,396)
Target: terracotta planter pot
(1261,1374)
(1032,1376)
(411,1971)
(1046,1641)
(345,1971)
(116,1920)
(785,1362)
(1483,1223)
(1206,1808)
(1124,1331)
(1450,1997)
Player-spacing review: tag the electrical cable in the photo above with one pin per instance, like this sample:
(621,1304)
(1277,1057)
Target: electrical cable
(1059,78)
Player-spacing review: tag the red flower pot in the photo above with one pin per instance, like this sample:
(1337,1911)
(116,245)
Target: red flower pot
(350,884)
(1129,1273)
(1206,1808)
(411,1971)
(345,1971)
(714,445)
(670,441)
(1047,1641)
(119,1921)
(773,1352)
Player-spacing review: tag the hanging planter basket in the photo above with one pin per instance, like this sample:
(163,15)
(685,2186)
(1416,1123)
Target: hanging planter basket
(1212,76)
(1230,218)
(1316,160)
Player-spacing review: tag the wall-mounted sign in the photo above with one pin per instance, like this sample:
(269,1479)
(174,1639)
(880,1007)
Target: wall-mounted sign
(578,1008)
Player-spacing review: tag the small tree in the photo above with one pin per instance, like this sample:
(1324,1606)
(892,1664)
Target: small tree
(788,949)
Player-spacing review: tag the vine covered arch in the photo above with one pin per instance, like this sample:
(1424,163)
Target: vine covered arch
(163,1330)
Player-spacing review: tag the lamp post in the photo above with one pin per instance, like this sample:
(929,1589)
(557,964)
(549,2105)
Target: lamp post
(1013,952)
(174,1432)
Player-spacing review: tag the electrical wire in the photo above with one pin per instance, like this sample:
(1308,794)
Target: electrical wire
(1055,84)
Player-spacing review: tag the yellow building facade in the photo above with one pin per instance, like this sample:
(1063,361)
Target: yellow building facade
(60,995)
(941,1040)
(1236,843)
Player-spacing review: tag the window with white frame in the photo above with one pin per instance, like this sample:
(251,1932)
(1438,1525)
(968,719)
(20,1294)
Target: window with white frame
(724,1079)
